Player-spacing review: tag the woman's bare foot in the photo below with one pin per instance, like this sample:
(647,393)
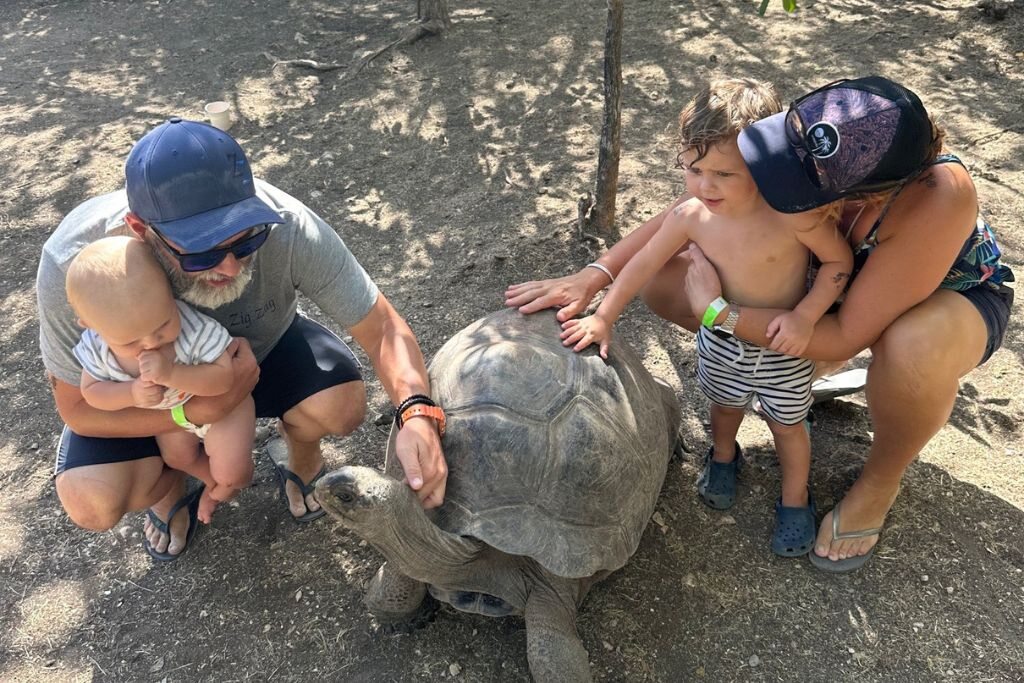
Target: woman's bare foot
(864,507)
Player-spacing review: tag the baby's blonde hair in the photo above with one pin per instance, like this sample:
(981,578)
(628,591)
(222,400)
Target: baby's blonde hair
(112,275)
(720,110)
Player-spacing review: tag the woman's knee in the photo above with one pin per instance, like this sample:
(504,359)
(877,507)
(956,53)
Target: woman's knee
(935,343)
(913,356)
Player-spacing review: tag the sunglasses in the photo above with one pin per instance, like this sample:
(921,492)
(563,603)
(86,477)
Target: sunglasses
(205,260)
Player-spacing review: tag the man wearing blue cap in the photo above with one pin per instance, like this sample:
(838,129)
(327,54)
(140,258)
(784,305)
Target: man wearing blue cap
(240,250)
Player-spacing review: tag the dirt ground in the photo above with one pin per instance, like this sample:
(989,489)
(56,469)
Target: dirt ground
(452,168)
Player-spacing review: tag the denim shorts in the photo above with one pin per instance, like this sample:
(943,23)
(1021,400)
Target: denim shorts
(306,360)
(993,303)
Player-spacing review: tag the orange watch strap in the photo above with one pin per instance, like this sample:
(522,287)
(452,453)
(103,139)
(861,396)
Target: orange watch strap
(434,412)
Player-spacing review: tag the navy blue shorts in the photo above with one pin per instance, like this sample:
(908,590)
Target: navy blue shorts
(993,303)
(308,359)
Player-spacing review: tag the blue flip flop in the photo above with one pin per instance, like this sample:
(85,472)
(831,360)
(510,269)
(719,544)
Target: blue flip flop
(795,528)
(191,500)
(717,481)
(285,475)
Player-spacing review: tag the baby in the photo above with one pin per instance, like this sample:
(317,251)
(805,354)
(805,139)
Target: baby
(762,257)
(141,348)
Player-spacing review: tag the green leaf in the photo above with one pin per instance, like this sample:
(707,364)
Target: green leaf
(789,5)
(764,6)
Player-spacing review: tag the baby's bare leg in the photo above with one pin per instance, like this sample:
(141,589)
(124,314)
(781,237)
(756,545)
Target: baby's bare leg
(181,451)
(229,446)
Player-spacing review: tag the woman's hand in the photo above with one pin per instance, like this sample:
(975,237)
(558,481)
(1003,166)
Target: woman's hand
(571,294)
(702,283)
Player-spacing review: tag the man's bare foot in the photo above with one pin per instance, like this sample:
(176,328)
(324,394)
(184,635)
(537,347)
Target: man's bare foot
(864,507)
(173,543)
(281,452)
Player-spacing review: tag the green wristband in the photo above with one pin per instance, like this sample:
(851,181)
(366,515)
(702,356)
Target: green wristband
(714,308)
(178,415)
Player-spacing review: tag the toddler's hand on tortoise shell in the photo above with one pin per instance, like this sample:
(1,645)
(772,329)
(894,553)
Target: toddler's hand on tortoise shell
(586,331)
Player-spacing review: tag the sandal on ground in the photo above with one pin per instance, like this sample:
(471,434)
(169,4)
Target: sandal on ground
(795,528)
(717,482)
(189,500)
(850,563)
(284,475)
(840,384)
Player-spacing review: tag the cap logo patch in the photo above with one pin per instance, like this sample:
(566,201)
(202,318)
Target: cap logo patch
(822,140)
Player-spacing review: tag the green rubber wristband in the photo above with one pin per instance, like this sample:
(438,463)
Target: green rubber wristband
(714,308)
(178,415)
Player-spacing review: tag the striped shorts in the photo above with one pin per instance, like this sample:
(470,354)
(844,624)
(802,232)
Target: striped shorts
(732,372)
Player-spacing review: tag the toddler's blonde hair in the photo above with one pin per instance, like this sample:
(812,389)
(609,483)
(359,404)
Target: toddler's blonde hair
(721,109)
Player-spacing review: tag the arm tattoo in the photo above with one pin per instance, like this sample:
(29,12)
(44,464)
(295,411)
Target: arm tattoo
(839,277)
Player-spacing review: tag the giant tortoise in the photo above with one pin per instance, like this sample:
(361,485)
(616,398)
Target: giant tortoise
(555,463)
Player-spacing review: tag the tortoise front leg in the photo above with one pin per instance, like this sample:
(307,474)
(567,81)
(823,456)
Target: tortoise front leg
(397,602)
(553,648)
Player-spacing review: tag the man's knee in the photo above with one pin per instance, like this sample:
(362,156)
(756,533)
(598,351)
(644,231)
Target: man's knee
(338,410)
(89,506)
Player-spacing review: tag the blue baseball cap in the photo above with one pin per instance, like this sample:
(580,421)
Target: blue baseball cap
(845,138)
(193,183)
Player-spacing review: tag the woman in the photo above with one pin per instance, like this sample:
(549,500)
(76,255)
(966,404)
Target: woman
(926,294)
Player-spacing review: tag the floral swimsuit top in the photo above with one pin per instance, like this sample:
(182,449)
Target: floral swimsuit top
(977,262)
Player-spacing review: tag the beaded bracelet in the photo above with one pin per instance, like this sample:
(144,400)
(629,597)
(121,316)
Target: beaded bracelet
(415,399)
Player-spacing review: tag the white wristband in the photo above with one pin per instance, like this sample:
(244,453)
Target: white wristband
(602,269)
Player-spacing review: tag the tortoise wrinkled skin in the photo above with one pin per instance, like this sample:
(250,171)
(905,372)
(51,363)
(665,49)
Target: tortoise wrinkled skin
(556,460)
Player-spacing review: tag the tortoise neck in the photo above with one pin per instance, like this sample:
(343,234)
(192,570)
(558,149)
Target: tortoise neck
(417,546)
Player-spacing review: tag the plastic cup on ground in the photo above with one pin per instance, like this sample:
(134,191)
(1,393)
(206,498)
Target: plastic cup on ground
(219,114)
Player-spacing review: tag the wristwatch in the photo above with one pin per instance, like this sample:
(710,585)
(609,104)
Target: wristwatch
(729,324)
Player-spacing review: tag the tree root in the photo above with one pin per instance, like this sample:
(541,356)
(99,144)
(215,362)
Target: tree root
(416,31)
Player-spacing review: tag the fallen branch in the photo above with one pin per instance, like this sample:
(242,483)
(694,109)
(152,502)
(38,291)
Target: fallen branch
(308,63)
(418,30)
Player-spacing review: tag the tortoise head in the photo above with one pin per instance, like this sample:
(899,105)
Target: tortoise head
(362,498)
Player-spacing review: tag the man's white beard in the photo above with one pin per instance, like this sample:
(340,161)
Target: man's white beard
(192,288)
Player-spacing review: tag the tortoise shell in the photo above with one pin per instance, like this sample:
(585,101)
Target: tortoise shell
(555,455)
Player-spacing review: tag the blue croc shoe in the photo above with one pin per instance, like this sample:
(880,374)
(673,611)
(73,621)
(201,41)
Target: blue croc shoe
(717,481)
(795,528)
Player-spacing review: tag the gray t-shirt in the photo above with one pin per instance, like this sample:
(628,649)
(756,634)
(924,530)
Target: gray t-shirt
(303,254)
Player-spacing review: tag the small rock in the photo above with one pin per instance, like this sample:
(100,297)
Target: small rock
(455,669)
(607,646)
(266,628)
(33,446)
(298,595)
(726,520)
(949,589)
(157,665)
(428,304)
(754,660)
(924,578)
